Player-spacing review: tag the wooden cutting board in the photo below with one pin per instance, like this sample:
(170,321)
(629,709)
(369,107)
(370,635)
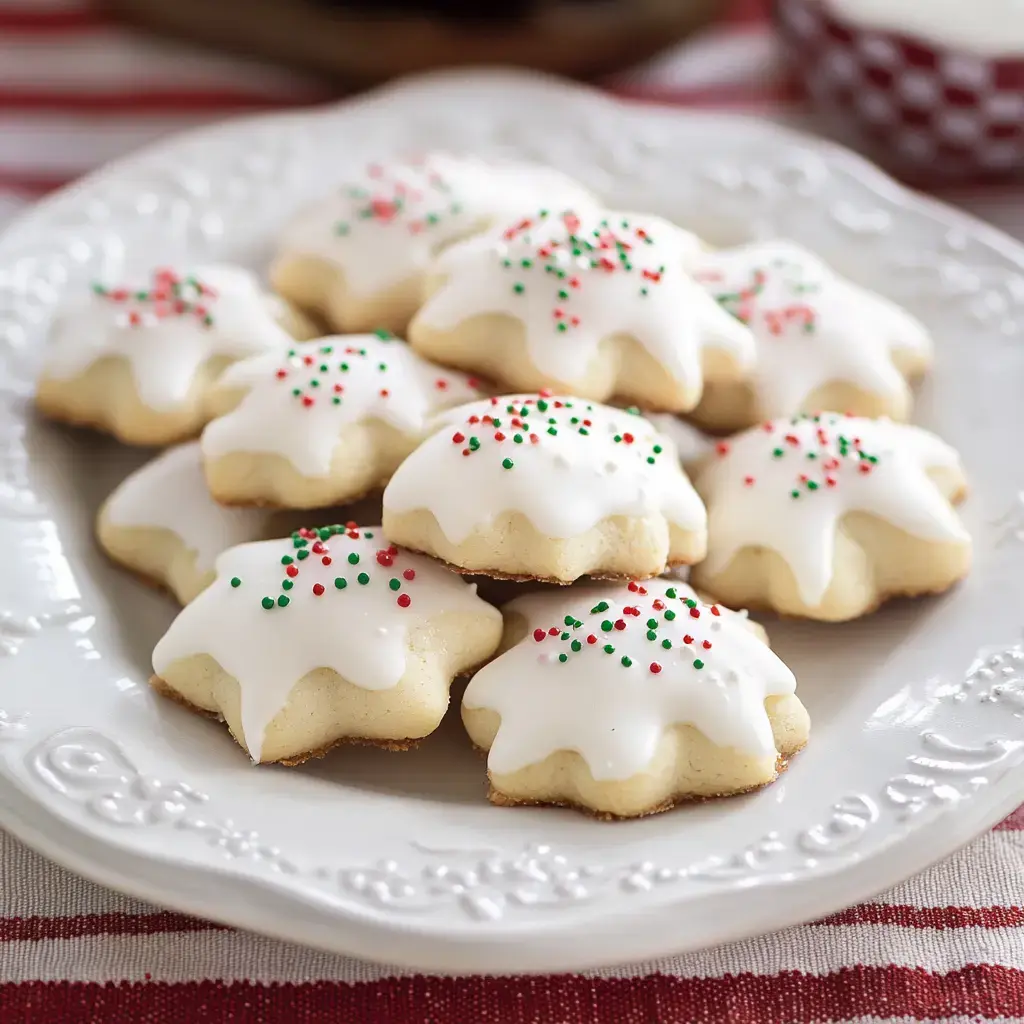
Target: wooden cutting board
(363,47)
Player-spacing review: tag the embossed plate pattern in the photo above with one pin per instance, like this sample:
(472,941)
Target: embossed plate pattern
(918,712)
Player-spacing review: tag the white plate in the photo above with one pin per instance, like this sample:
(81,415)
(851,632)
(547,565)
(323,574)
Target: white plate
(918,741)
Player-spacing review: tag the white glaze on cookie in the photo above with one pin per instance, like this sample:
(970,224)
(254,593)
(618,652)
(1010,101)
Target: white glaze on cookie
(166,329)
(170,493)
(337,598)
(564,463)
(298,401)
(574,279)
(786,484)
(386,226)
(606,679)
(812,326)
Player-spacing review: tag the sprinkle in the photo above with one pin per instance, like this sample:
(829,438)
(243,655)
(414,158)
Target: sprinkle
(340,582)
(698,663)
(353,558)
(626,661)
(235,581)
(404,601)
(318,589)
(655,667)
(267,602)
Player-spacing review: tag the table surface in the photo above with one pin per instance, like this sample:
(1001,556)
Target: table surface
(948,945)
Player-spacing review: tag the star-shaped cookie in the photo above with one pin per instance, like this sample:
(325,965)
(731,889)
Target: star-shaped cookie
(136,362)
(546,487)
(327,636)
(358,258)
(822,341)
(592,303)
(323,422)
(826,516)
(625,699)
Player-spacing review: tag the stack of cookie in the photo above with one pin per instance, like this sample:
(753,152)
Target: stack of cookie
(526,431)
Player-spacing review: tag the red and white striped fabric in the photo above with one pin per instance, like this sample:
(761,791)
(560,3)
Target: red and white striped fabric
(946,946)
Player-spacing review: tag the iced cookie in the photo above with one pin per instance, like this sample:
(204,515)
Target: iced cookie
(827,516)
(358,258)
(323,422)
(326,636)
(595,304)
(548,488)
(136,362)
(625,700)
(162,523)
(822,341)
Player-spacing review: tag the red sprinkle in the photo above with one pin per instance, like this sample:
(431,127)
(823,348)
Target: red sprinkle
(620,623)
(440,384)
(409,574)
(715,610)
(384,558)
(307,401)
(694,613)
(591,639)
(499,436)
(318,589)
(404,600)
(658,605)
(326,560)
(722,447)
(281,374)
(628,438)
(632,587)
(706,645)
(687,639)
(749,481)
(553,631)
(655,667)
(458,438)
(539,634)
(292,570)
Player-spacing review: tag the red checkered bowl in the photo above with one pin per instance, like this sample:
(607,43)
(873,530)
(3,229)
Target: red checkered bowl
(927,111)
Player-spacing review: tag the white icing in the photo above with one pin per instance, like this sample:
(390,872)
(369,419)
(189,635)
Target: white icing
(812,326)
(691,444)
(749,490)
(170,493)
(269,650)
(165,347)
(588,276)
(379,378)
(987,27)
(386,226)
(614,714)
(564,483)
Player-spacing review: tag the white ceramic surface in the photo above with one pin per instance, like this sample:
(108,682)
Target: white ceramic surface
(918,739)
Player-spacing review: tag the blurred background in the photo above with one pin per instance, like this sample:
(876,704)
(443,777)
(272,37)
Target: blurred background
(84,81)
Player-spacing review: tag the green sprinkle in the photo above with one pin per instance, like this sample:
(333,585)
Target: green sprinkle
(601,607)
(394,584)
(507,463)
(303,553)
(287,559)
(652,623)
(698,663)
(235,581)
(576,645)
(340,582)
(670,615)
(671,592)
(650,459)
(282,601)
(518,288)
(657,449)
(518,438)
(606,625)
(794,494)
(353,558)
(651,635)
(335,400)
(542,405)
(267,602)
(569,620)
(564,636)
(552,431)
(287,584)
(777,453)
(563,658)
(812,485)
(363,578)
(667,644)
(608,649)
(626,661)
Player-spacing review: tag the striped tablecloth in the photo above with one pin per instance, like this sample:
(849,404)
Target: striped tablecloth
(946,946)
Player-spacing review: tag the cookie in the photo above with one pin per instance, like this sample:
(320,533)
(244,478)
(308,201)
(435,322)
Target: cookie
(623,700)
(549,488)
(326,636)
(590,303)
(827,516)
(323,422)
(162,523)
(358,258)
(822,341)
(136,363)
